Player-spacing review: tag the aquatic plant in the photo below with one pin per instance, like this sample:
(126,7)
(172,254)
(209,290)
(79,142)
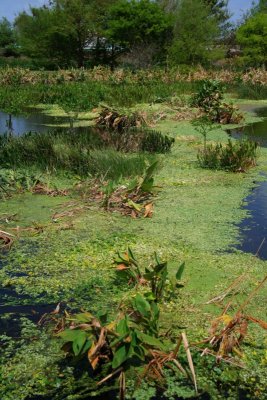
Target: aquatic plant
(79,154)
(132,198)
(156,276)
(131,341)
(209,98)
(234,156)
(155,142)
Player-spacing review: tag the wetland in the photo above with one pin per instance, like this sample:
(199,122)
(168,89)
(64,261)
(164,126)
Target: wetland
(67,232)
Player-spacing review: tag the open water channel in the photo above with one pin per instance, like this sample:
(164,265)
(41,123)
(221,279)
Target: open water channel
(253,229)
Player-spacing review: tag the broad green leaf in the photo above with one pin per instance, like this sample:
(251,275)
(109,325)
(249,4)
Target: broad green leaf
(150,296)
(79,342)
(151,170)
(150,340)
(147,185)
(160,267)
(83,317)
(132,185)
(122,327)
(69,335)
(142,305)
(180,271)
(120,356)
(87,345)
(131,254)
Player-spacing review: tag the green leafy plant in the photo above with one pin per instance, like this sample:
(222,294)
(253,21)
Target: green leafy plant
(155,276)
(209,95)
(156,142)
(131,341)
(203,125)
(234,156)
(210,99)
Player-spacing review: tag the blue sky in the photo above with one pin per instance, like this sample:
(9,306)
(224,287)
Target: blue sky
(9,8)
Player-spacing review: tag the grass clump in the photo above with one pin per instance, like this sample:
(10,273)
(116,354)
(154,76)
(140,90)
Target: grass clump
(82,153)
(253,91)
(155,142)
(234,157)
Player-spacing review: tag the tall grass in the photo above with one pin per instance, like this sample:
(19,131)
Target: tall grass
(83,96)
(234,156)
(249,90)
(78,153)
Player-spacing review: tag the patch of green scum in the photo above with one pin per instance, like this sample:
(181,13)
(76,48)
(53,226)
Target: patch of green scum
(79,123)
(54,110)
(30,209)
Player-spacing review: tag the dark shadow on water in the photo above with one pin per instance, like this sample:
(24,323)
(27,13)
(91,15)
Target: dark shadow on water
(10,317)
(34,121)
(254,228)
(256,131)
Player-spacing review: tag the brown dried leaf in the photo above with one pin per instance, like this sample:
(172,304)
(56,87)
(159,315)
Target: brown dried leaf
(149,210)
(121,267)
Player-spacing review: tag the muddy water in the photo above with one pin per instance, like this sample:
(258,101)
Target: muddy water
(253,229)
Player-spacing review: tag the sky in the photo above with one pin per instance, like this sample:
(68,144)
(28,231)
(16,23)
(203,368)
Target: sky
(10,8)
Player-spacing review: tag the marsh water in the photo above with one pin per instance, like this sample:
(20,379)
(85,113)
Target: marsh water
(253,229)
(32,122)
(256,131)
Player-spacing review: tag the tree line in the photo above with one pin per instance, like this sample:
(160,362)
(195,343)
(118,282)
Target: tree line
(141,33)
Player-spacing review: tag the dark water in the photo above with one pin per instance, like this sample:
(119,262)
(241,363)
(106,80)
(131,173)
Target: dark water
(256,131)
(35,121)
(253,229)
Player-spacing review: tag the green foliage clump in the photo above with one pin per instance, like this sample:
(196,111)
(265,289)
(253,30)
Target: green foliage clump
(209,99)
(252,37)
(156,142)
(235,156)
(16,181)
(195,30)
(209,95)
(80,153)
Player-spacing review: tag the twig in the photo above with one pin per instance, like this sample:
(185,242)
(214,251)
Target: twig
(110,376)
(256,255)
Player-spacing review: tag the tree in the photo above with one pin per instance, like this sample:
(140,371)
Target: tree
(261,6)
(62,31)
(195,32)
(7,38)
(141,27)
(219,9)
(252,37)
(42,36)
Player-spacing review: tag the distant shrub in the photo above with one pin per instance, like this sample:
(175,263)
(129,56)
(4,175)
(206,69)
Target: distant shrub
(210,99)
(209,95)
(156,142)
(235,157)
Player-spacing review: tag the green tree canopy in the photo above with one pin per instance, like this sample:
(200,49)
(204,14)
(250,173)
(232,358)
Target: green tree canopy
(63,31)
(133,21)
(195,31)
(7,38)
(252,37)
